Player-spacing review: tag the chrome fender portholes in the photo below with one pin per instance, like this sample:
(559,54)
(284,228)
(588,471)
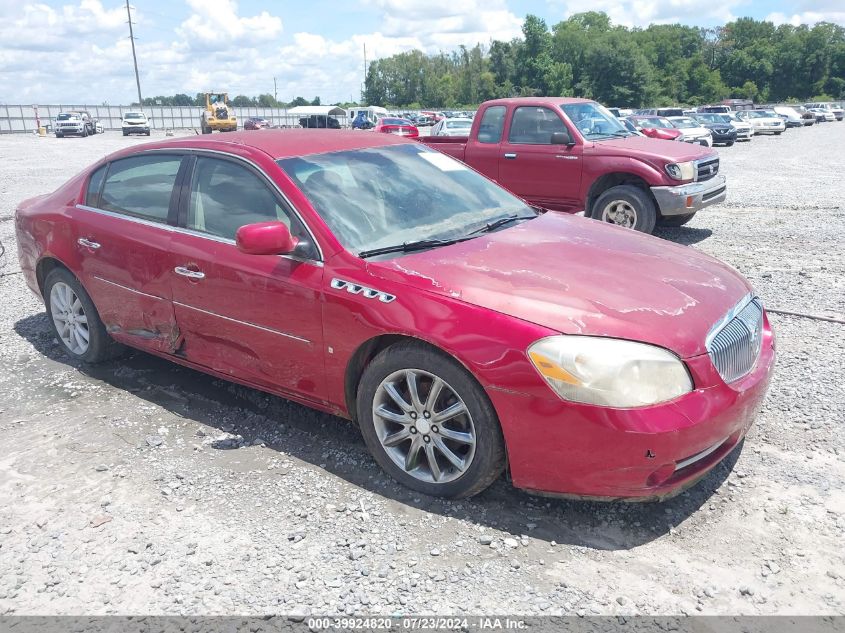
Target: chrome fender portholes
(357,289)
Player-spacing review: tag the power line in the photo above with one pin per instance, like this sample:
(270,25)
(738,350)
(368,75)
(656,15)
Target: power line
(134,57)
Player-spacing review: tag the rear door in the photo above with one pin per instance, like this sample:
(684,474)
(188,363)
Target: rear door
(531,167)
(254,317)
(123,233)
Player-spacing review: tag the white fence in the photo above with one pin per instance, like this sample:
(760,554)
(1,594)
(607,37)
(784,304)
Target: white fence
(21,118)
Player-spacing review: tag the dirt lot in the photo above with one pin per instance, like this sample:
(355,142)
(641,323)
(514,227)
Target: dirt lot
(124,489)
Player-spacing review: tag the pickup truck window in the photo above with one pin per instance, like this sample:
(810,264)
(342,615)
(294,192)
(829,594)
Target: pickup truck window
(594,121)
(532,125)
(492,123)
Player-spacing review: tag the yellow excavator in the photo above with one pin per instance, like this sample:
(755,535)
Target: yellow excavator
(218,114)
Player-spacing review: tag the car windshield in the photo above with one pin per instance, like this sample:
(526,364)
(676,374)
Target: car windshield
(420,194)
(712,118)
(759,114)
(68,116)
(683,122)
(594,121)
(655,122)
(133,115)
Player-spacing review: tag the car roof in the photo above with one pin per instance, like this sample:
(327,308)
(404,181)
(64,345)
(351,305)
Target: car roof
(277,143)
(549,101)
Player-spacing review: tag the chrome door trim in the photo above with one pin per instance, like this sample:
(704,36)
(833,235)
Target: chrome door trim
(185,231)
(258,327)
(137,292)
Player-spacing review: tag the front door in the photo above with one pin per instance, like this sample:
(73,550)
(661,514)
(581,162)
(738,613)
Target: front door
(531,167)
(123,234)
(254,317)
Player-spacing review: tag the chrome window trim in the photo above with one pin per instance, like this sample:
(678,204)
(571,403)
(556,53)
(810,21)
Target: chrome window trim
(257,327)
(124,216)
(127,288)
(200,150)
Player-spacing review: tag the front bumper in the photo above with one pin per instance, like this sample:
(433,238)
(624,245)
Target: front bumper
(727,137)
(692,197)
(769,129)
(136,129)
(573,450)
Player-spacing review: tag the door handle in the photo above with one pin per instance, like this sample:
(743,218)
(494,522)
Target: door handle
(186,272)
(510,156)
(87,243)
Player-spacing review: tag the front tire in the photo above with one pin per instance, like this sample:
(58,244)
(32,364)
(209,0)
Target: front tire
(627,206)
(428,423)
(74,319)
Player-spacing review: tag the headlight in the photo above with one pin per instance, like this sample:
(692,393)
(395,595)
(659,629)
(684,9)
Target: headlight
(609,372)
(681,171)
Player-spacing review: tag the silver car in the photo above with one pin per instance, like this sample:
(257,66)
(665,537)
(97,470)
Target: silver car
(452,127)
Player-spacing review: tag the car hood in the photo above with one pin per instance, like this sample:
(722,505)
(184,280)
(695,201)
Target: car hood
(716,126)
(695,131)
(658,150)
(579,276)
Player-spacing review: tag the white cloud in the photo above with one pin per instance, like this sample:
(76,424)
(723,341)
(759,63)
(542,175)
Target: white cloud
(808,17)
(644,12)
(217,23)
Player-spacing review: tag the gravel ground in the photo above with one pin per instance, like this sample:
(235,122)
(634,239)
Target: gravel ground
(140,487)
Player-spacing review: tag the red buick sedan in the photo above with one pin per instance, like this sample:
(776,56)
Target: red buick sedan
(464,331)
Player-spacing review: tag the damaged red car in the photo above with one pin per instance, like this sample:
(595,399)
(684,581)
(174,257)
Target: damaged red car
(374,278)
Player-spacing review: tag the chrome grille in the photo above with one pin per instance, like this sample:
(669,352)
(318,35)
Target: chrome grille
(706,169)
(734,343)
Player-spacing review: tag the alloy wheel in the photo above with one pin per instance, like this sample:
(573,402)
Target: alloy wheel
(69,318)
(424,426)
(620,212)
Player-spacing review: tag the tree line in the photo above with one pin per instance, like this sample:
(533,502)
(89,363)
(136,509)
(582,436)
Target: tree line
(587,56)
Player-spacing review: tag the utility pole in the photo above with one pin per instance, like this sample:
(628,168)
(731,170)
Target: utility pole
(134,58)
(365,72)
(275,93)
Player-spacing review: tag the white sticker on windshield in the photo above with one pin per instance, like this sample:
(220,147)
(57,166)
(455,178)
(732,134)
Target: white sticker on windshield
(443,162)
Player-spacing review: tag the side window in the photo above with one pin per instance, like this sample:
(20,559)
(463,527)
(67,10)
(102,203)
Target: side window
(534,125)
(141,186)
(492,122)
(225,196)
(92,195)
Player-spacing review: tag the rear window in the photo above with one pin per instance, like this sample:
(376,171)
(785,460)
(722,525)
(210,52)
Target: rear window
(141,186)
(387,121)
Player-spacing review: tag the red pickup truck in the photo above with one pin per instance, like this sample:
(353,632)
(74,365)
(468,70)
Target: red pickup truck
(573,155)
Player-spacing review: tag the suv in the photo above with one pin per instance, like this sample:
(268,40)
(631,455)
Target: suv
(76,122)
(834,108)
(135,123)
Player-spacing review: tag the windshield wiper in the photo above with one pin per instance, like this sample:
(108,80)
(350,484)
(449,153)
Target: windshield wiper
(407,247)
(495,224)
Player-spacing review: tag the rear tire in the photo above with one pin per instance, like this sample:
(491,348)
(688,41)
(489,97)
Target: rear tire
(729,143)
(778,133)
(59,135)
(676,220)
(452,456)
(627,206)
(70,308)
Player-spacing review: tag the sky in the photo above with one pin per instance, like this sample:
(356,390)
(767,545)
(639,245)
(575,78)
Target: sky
(78,51)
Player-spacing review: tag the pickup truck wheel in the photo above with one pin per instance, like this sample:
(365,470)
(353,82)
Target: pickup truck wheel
(676,220)
(428,423)
(76,322)
(628,206)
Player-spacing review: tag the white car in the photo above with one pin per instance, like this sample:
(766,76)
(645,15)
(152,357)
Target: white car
(452,127)
(135,123)
(828,115)
(833,108)
(692,131)
(744,131)
(764,121)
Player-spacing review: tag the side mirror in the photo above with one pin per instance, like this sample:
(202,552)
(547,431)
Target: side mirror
(265,238)
(561,138)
